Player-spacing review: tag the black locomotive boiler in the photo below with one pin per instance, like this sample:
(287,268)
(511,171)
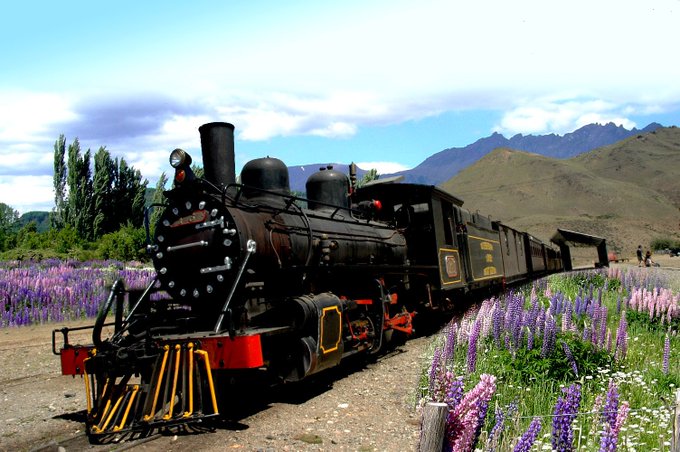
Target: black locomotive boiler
(252,280)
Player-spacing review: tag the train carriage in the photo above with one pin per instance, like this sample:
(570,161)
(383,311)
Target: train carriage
(513,249)
(536,255)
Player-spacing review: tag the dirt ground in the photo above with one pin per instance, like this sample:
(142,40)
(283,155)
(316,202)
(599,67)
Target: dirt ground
(369,407)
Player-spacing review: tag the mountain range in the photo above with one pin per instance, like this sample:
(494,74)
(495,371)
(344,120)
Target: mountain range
(445,164)
(627,192)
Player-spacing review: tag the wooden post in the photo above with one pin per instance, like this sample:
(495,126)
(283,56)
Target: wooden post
(433,427)
(675,442)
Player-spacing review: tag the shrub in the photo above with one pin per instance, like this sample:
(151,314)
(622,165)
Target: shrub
(664,243)
(126,244)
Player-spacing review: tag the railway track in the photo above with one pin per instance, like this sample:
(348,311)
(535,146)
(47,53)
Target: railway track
(367,405)
(80,441)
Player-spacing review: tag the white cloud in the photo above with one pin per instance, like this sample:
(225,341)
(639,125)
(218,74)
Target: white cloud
(26,116)
(27,193)
(261,116)
(383,167)
(556,116)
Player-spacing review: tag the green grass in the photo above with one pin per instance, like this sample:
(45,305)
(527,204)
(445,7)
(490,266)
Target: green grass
(534,383)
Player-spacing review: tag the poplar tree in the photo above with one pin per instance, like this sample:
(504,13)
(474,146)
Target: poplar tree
(102,191)
(158,198)
(59,181)
(94,206)
(129,195)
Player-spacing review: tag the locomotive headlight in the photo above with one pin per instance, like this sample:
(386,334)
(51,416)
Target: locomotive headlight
(179,158)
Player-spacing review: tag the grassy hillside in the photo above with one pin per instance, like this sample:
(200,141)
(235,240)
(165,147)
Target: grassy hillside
(628,193)
(651,160)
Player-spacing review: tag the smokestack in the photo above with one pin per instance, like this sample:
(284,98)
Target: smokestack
(217,146)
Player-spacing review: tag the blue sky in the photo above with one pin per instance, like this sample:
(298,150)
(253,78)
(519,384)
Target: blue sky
(381,83)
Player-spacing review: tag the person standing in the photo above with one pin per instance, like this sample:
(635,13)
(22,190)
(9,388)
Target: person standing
(639,255)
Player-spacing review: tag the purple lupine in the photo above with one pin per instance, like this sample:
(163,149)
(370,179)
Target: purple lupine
(585,337)
(566,317)
(38,292)
(444,380)
(483,408)
(548,337)
(472,347)
(530,339)
(666,354)
(540,323)
(611,404)
(497,324)
(594,330)
(621,348)
(565,412)
(450,342)
(570,357)
(529,437)
(612,419)
(601,340)
(496,430)
(434,369)
(516,332)
(454,394)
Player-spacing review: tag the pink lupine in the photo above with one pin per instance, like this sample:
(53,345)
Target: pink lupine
(464,419)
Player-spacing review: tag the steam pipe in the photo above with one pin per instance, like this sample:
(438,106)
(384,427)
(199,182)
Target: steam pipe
(217,147)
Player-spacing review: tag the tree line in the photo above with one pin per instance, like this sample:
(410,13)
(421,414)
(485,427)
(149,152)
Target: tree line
(98,210)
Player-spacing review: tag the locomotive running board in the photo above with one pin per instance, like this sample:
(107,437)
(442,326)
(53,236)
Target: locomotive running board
(180,391)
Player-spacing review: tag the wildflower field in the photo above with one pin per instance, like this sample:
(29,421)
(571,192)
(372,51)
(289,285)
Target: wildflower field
(54,290)
(588,360)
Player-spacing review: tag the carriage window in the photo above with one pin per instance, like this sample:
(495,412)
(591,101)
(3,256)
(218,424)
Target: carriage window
(422,207)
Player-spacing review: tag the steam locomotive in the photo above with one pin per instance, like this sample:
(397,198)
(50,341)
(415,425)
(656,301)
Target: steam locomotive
(254,280)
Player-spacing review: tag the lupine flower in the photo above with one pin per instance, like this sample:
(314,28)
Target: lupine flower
(497,324)
(443,381)
(462,422)
(434,369)
(450,342)
(565,412)
(621,338)
(658,303)
(548,337)
(482,407)
(54,290)
(496,430)
(566,317)
(611,404)
(529,437)
(472,347)
(597,409)
(454,394)
(666,353)
(601,340)
(612,418)
(624,409)
(570,357)
(500,421)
